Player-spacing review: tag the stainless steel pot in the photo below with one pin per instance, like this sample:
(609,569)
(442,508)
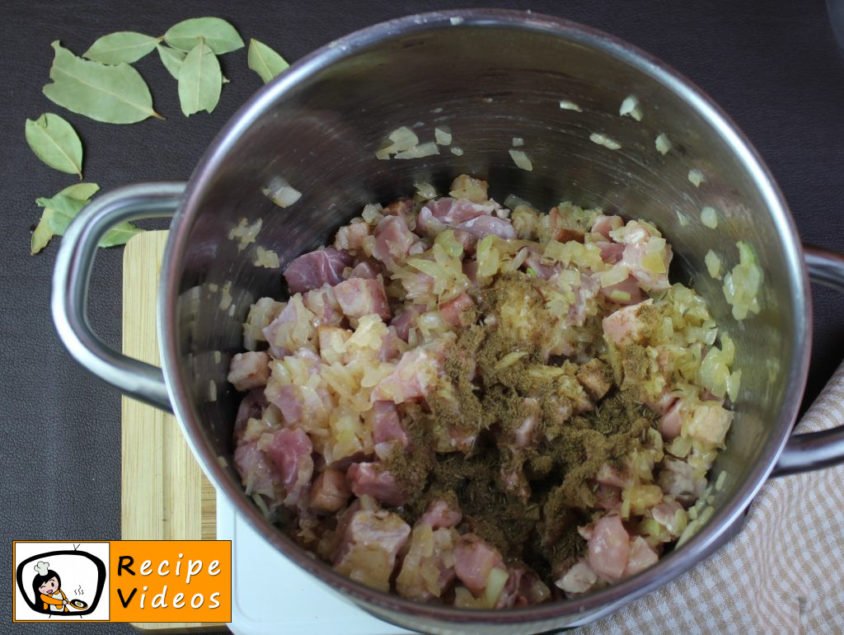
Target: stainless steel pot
(489,76)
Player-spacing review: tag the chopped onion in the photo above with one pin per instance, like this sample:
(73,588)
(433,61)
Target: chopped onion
(681,218)
(713,264)
(696,177)
(401,139)
(281,192)
(457,151)
(663,143)
(569,105)
(266,258)
(245,233)
(212,390)
(521,160)
(742,284)
(518,142)
(442,136)
(709,217)
(604,140)
(630,108)
(426,191)
(417,152)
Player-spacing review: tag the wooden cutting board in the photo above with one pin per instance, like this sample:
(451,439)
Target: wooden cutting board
(164,494)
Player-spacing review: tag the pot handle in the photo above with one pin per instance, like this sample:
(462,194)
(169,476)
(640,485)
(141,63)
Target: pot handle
(69,302)
(816,450)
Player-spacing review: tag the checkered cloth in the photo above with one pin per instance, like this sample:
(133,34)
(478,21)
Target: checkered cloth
(783,573)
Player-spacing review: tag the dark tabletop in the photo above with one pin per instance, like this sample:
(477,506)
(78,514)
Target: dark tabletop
(773,65)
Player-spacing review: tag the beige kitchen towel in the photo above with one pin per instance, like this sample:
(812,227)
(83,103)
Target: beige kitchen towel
(783,573)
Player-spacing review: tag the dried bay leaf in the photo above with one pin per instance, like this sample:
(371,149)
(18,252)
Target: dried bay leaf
(55,142)
(121,47)
(172,59)
(60,210)
(200,80)
(265,61)
(220,36)
(111,94)
(119,235)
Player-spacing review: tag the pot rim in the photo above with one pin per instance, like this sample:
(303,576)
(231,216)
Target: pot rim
(595,604)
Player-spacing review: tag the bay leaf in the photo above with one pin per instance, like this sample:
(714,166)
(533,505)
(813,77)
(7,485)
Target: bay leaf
(172,59)
(80,191)
(220,36)
(120,47)
(42,234)
(55,142)
(265,61)
(119,235)
(63,209)
(200,80)
(112,94)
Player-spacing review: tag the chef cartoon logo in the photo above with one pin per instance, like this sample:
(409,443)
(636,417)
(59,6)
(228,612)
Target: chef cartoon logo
(57,581)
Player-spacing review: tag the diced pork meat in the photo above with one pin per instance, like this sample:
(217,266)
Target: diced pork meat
(316,268)
(249,370)
(671,423)
(679,479)
(523,588)
(404,320)
(362,296)
(454,312)
(290,451)
(299,404)
(613,476)
(609,548)
(453,211)
(369,546)
(251,407)
(441,514)
(393,239)
(351,237)
(372,479)
(256,472)
(474,559)
(578,579)
(625,292)
(323,304)
(366,269)
(534,263)
(294,328)
(624,326)
(481,226)
(392,346)
(387,431)
(329,491)
(414,375)
(611,253)
(462,215)
(605,224)
(641,557)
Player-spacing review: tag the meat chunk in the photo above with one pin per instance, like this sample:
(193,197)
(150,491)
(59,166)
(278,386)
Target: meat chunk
(523,588)
(461,215)
(671,423)
(625,292)
(366,269)
(608,548)
(605,224)
(256,472)
(441,514)
(249,370)
(413,376)
(625,326)
(251,407)
(316,268)
(369,546)
(595,377)
(351,237)
(393,239)
(578,579)
(404,320)
(387,431)
(290,451)
(299,404)
(372,479)
(294,328)
(323,304)
(454,312)
(473,560)
(330,491)
(641,557)
(680,480)
(362,296)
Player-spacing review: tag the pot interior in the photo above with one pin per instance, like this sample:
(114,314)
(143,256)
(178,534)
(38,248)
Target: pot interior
(488,77)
